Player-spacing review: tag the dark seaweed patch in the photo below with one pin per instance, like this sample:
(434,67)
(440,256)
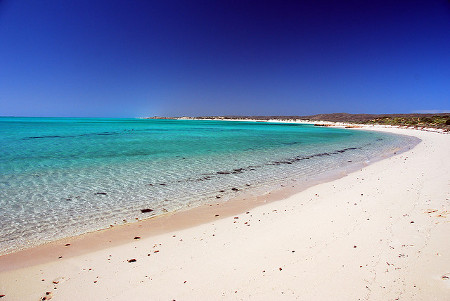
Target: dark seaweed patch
(223,172)
(70,136)
(42,137)
(288,161)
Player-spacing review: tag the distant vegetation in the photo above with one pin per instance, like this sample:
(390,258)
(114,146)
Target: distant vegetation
(441,121)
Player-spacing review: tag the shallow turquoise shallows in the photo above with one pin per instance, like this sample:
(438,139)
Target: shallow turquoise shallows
(66,176)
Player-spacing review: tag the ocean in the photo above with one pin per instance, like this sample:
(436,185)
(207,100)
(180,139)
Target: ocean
(66,176)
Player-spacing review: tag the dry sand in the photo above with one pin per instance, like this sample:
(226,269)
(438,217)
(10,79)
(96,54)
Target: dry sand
(380,233)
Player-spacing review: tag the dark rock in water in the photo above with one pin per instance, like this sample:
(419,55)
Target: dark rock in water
(238,170)
(146,210)
(234,189)
(199,179)
(101,193)
(131,260)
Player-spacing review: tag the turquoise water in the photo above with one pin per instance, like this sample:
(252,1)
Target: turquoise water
(66,176)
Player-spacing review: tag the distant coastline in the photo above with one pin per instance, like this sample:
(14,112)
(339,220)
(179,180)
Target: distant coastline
(414,120)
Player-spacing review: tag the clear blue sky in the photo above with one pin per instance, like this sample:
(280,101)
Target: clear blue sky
(143,58)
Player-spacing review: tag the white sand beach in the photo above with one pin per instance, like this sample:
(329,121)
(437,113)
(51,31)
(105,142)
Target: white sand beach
(380,233)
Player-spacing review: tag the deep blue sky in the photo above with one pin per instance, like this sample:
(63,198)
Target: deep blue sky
(143,58)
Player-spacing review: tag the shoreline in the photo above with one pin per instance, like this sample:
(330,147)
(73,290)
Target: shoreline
(411,121)
(348,125)
(70,253)
(172,221)
(157,224)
